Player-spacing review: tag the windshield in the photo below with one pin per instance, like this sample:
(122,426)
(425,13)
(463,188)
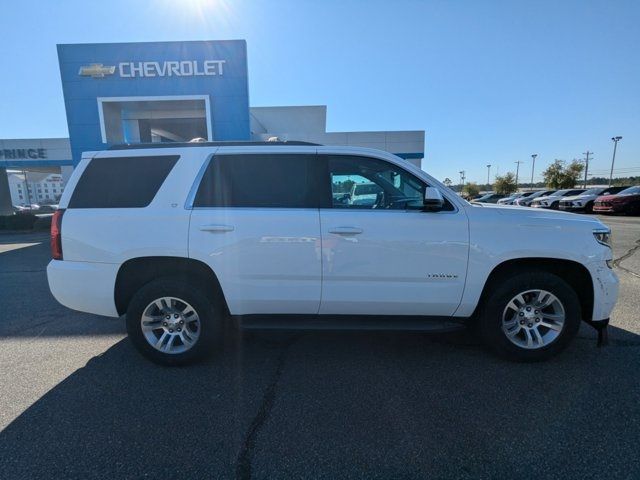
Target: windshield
(630,191)
(592,191)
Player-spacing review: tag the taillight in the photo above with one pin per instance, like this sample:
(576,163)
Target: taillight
(56,235)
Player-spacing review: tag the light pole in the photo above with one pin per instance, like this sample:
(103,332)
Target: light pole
(461,179)
(613,160)
(533,166)
(586,168)
(488,183)
(517,171)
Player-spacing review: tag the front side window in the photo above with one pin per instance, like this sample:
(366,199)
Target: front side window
(262,181)
(369,183)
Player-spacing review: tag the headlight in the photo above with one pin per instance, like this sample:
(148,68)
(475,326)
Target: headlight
(603,236)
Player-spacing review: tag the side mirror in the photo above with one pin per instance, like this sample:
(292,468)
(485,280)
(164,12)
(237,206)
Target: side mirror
(433,199)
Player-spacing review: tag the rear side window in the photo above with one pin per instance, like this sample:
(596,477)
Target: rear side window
(121,182)
(262,180)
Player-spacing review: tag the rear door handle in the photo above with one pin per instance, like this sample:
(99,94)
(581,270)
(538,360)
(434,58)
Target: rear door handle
(346,230)
(216,228)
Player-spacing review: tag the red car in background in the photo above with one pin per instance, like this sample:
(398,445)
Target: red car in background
(627,201)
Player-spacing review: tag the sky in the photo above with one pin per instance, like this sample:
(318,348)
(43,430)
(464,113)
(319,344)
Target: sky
(490,82)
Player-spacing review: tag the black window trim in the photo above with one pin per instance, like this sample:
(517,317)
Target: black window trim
(188,204)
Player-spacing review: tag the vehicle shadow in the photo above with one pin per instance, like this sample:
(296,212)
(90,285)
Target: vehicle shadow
(335,405)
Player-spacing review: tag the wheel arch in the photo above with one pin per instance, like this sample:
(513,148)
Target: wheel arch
(574,273)
(137,272)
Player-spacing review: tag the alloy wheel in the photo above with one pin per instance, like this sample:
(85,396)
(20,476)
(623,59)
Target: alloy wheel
(170,325)
(533,319)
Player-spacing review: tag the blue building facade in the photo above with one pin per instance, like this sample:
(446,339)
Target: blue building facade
(154,92)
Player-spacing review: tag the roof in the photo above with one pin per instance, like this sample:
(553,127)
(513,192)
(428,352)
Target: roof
(137,146)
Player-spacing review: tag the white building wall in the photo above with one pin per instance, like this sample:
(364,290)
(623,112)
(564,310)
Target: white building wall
(42,188)
(308,124)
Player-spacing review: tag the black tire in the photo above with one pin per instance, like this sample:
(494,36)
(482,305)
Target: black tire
(210,315)
(633,209)
(506,288)
(588,208)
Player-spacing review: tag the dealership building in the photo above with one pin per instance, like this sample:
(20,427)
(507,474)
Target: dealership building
(169,92)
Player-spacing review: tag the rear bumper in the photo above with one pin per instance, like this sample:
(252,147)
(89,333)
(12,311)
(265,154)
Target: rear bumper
(84,286)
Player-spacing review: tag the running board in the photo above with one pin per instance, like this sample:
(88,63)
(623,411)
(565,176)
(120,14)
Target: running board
(349,322)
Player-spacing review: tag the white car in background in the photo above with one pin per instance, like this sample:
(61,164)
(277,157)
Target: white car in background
(526,201)
(553,201)
(584,201)
(512,198)
(364,194)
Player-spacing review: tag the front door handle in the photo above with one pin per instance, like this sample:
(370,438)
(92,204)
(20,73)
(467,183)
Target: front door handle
(216,228)
(346,230)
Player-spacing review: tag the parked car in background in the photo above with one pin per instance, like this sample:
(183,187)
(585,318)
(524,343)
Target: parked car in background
(627,201)
(584,202)
(364,194)
(526,201)
(489,198)
(553,201)
(47,208)
(512,198)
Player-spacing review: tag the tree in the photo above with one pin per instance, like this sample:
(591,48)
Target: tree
(447,181)
(505,184)
(471,190)
(559,175)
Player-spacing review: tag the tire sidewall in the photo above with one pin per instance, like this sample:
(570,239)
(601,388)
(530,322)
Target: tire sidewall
(210,321)
(508,287)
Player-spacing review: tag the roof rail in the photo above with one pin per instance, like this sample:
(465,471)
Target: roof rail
(137,146)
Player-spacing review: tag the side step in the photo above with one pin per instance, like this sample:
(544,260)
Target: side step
(350,322)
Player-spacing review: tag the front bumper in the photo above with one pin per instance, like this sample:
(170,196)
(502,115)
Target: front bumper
(609,208)
(605,290)
(570,207)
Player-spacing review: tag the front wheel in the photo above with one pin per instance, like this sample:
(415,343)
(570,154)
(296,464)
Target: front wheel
(588,208)
(172,322)
(530,316)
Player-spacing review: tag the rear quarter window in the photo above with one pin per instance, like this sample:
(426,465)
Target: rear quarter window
(121,182)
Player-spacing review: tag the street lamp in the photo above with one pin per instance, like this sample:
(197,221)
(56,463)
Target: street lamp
(613,160)
(533,166)
(517,171)
(488,183)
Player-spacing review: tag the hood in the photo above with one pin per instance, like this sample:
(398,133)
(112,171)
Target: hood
(578,197)
(538,215)
(611,198)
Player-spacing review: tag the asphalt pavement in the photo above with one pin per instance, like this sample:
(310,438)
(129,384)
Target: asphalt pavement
(76,400)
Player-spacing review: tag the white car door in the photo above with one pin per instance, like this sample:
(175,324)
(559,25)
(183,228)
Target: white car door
(389,257)
(255,222)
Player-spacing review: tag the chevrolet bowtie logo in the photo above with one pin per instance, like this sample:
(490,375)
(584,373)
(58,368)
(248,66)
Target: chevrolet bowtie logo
(96,70)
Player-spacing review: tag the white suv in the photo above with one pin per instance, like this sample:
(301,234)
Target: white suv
(188,240)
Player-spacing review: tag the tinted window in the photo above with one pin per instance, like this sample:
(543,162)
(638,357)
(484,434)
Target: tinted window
(369,183)
(262,180)
(121,182)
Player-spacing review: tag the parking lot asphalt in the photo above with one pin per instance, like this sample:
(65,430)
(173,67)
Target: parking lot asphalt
(78,402)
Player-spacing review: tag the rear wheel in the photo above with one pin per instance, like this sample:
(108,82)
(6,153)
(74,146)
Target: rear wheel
(530,316)
(172,322)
